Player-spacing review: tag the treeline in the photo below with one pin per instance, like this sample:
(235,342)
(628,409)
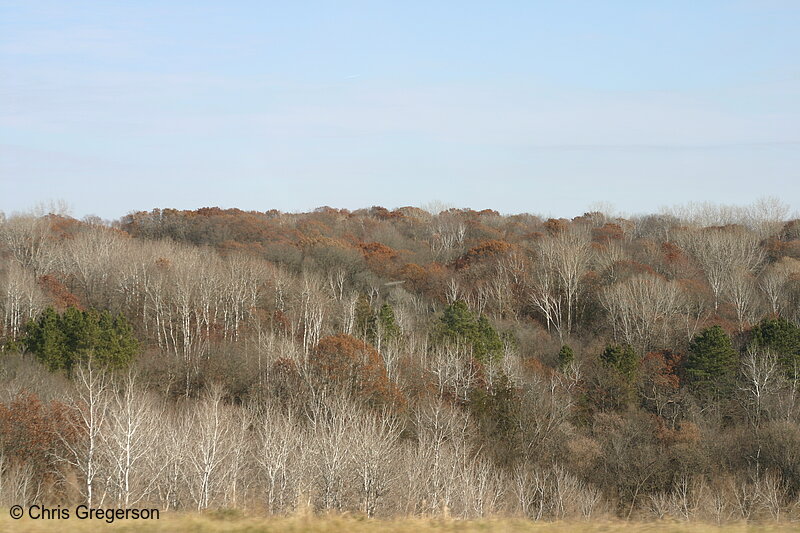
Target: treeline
(405,362)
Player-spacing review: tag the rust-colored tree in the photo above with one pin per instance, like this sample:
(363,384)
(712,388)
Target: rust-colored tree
(346,362)
(33,433)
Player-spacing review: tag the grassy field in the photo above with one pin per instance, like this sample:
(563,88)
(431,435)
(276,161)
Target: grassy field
(234,523)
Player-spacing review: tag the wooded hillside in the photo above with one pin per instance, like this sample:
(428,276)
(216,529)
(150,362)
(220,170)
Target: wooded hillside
(403,362)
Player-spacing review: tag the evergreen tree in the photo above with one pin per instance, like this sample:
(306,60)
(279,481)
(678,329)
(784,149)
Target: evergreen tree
(782,337)
(459,324)
(621,357)
(62,341)
(487,344)
(387,323)
(47,339)
(565,357)
(711,363)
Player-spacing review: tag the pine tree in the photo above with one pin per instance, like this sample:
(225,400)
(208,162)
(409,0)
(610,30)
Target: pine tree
(487,345)
(46,338)
(386,321)
(459,324)
(565,357)
(782,337)
(62,341)
(711,363)
(621,357)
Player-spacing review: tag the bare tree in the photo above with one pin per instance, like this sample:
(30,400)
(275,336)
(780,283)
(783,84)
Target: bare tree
(765,216)
(433,465)
(774,282)
(21,298)
(208,430)
(561,261)
(313,306)
(167,462)
(330,418)
(761,375)
(128,439)
(90,409)
(743,294)
(29,240)
(89,257)
(452,369)
(720,251)
(641,309)
(447,237)
(279,440)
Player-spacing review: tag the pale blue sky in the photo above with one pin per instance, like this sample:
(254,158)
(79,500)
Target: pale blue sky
(543,107)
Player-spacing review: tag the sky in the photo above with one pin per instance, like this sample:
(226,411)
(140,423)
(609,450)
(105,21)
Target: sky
(539,107)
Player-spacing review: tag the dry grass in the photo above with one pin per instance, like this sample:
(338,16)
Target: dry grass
(224,522)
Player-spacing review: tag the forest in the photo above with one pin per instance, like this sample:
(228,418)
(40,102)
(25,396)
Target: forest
(405,363)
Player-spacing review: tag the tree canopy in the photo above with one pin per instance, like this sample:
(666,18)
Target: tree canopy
(712,362)
(63,340)
(781,336)
(459,324)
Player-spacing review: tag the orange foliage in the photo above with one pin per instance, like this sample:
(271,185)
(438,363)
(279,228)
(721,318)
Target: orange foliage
(281,322)
(429,279)
(673,254)
(608,232)
(792,249)
(253,249)
(414,275)
(356,366)
(379,257)
(536,368)
(64,227)
(412,212)
(210,225)
(381,213)
(313,229)
(376,250)
(482,251)
(29,430)
(59,294)
(556,225)
(661,369)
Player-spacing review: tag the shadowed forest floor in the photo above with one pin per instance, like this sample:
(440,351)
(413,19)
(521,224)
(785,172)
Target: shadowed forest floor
(229,523)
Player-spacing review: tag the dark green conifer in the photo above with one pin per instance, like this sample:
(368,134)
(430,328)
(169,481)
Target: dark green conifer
(459,324)
(62,341)
(621,357)
(782,337)
(387,323)
(711,363)
(565,357)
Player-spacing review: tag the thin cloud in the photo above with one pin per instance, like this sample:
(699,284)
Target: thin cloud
(663,147)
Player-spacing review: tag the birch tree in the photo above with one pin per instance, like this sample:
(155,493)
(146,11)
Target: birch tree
(90,409)
(20,298)
(561,261)
(129,438)
(720,251)
(641,309)
(208,429)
